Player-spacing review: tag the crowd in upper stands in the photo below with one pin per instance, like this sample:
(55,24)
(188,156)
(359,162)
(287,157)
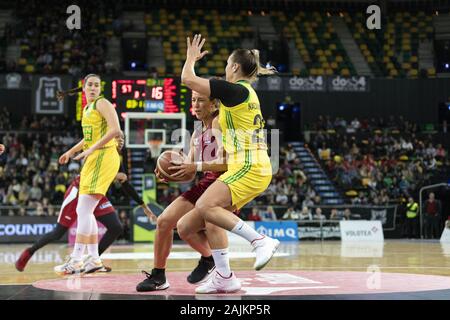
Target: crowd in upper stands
(47,46)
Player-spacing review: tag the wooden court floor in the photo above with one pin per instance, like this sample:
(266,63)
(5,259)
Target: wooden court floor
(423,257)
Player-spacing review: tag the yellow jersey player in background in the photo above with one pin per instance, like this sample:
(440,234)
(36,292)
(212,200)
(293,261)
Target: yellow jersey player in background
(249,169)
(101,126)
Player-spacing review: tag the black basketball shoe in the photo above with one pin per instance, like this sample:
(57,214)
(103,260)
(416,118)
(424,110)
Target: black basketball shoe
(154,282)
(203,271)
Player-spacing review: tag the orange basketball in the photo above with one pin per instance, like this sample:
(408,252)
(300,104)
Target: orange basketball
(168,159)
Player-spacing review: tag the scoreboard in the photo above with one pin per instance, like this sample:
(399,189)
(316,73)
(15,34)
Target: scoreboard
(150,95)
(143,95)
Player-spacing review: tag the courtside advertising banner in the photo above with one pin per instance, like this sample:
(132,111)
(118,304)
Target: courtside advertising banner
(25,229)
(361,231)
(281,230)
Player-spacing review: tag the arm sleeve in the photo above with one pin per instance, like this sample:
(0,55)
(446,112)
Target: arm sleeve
(230,94)
(129,190)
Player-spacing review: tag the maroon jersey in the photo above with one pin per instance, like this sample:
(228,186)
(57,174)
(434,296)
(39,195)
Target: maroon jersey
(68,213)
(205,148)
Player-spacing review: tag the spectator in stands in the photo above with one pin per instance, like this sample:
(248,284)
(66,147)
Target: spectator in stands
(355,124)
(22,212)
(318,214)
(268,214)
(294,200)
(324,152)
(410,228)
(317,200)
(432,217)
(307,202)
(282,197)
(440,153)
(310,193)
(125,221)
(430,150)
(348,215)
(254,215)
(291,214)
(305,214)
(290,154)
(336,215)
(35,192)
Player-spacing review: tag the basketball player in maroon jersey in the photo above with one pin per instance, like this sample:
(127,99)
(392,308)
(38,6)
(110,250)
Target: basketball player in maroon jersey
(203,147)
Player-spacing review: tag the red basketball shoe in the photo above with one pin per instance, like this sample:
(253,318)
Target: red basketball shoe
(21,263)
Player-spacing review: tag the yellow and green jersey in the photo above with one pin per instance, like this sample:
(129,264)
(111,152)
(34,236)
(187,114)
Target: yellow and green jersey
(242,125)
(94,126)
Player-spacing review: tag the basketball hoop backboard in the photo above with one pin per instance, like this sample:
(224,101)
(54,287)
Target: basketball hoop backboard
(142,127)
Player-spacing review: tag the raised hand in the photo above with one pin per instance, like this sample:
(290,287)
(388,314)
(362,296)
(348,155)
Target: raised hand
(194,48)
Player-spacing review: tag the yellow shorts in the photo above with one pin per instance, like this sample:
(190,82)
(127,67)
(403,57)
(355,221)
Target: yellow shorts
(249,174)
(99,171)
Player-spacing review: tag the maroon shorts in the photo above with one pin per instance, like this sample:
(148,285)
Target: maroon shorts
(194,193)
(68,214)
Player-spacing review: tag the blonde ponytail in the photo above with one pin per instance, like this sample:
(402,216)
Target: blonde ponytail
(260,69)
(250,64)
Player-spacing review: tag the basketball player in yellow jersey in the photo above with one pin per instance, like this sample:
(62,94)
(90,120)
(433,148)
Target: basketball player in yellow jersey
(249,170)
(101,164)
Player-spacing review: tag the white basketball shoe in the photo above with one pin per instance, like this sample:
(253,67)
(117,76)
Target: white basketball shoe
(219,284)
(91,264)
(71,266)
(265,249)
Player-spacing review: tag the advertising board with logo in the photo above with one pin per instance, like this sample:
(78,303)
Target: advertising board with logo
(352,84)
(305,84)
(281,230)
(25,229)
(361,230)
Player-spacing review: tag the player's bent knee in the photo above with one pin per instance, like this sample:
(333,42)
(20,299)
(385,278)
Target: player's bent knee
(183,230)
(165,223)
(202,208)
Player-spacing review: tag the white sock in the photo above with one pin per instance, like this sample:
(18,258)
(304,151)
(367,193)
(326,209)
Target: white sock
(78,251)
(93,248)
(222,262)
(245,231)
